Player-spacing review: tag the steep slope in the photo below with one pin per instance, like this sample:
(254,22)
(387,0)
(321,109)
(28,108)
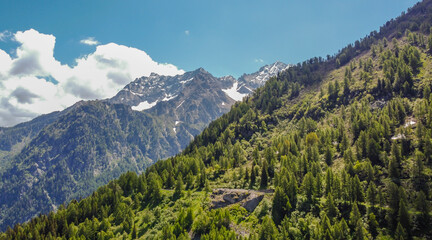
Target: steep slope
(13,139)
(186,103)
(199,102)
(345,144)
(83,149)
(68,154)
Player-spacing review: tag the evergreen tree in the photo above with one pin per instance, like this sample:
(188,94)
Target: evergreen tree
(281,206)
(404,216)
(331,210)
(357,189)
(308,186)
(268,229)
(345,232)
(178,191)
(359,231)
(373,224)
(393,203)
(372,194)
(154,187)
(328,156)
(400,233)
(355,215)
(252,177)
(423,220)
(264,174)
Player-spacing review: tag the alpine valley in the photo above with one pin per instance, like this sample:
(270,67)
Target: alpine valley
(335,148)
(67,155)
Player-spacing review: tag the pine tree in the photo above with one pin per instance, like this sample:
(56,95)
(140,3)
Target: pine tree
(357,189)
(329,181)
(308,186)
(373,224)
(355,215)
(281,206)
(328,156)
(326,227)
(153,192)
(252,177)
(344,229)
(189,181)
(268,229)
(256,156)
(372,194)
(331,210)
(188,219)
(393,170)
(393,203)
(359,231)
(178,191)
(264,175)
(423,220)
(404,216)
(400,233)
(417,175)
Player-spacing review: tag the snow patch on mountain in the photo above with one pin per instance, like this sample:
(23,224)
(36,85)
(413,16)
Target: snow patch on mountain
(169,97)
(233,93)
(185,81)
(144,105)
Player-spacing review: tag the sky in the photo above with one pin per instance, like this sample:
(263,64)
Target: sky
(54,53)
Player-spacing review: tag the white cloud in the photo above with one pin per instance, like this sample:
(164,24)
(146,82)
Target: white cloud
(258,60)
(4,35)
(34,82)
(187,32)
(90,41)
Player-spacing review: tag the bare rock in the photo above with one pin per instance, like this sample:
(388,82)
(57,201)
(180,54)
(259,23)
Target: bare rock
(249,199)
(252,202)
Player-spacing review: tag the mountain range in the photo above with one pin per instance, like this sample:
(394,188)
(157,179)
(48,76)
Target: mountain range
(64,155)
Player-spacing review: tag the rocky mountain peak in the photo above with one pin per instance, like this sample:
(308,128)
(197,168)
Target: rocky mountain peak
(257,79)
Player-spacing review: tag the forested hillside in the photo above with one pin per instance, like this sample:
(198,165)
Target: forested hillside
(340,148)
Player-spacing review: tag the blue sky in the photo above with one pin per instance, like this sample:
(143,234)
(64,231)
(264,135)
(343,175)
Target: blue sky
(55,53)
(225,37)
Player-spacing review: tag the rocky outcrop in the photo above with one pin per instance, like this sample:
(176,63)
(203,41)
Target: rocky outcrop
(253,202)
(249,199)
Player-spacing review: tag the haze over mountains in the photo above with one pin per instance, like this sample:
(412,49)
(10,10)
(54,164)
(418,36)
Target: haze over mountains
(68,154)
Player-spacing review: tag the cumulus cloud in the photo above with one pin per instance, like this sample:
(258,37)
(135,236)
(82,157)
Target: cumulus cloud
(90,41)
(33,82)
